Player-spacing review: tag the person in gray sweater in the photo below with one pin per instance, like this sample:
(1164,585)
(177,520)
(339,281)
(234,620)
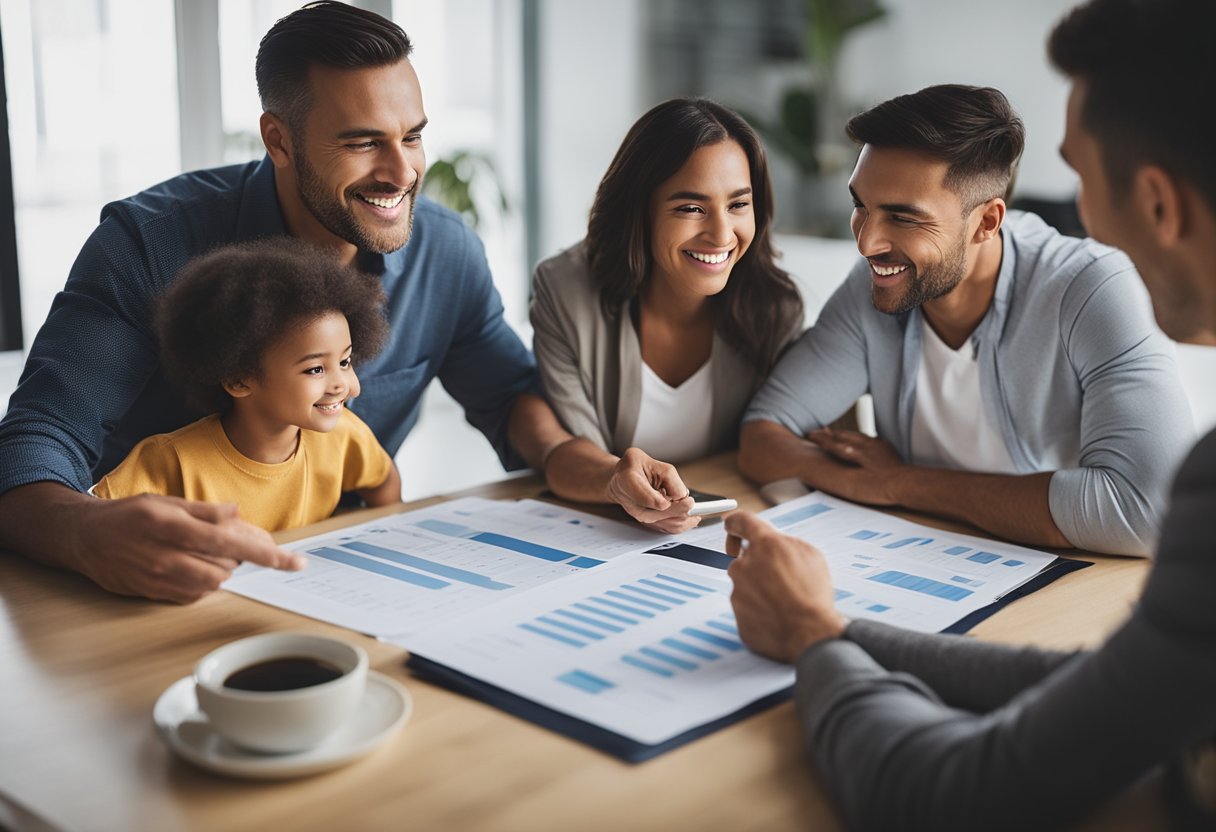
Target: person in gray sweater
(1019,381)
(912,731)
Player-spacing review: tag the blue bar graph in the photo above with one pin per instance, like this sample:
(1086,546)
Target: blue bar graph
(502,541)
(878,608)
(440,569)
(623,608)
(681,582)
(710,638)
(909,541)
(594,622)
(523,547)
(1012,563)
(632,599)
(724,627)
(562,625)
(532,628)
(446,528)
(684,593)
(864,534)
(984,557)
(926,585)
(690,649)
(649,593)
(957,550)
(609,615)
(683,664)
(585,681)
(841,594)
(368,565)
(798,515)
(585,563)
(653,668)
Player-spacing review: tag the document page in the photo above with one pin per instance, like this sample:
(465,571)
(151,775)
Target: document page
(397,574)
(891,570)
(644,646)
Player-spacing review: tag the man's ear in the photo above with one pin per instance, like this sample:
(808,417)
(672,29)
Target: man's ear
(991,215)
(237,389)
(1160,204)
(277,138)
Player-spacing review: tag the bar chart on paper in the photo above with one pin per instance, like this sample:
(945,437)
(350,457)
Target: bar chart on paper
(398,574)
(645,646)
(903,573)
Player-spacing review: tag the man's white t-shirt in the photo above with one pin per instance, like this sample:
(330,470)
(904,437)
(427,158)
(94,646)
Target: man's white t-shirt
(674,422)
(950,425)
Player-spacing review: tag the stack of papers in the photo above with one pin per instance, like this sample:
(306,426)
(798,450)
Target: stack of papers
(594,620)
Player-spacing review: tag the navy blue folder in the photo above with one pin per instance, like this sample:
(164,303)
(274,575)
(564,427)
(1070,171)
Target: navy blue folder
(633,751)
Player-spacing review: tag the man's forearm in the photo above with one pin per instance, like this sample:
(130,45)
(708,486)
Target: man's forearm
(1014,507)
(769,451)
(35,521)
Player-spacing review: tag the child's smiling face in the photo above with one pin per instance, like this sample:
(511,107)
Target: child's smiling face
(306,378)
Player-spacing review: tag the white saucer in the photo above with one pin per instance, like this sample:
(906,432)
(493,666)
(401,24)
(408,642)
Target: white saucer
(385,708)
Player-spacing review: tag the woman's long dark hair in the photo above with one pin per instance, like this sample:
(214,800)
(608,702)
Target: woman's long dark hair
(760,302)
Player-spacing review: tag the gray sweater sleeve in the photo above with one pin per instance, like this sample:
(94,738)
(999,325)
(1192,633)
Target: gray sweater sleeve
(963,672)
(1136,422)
(897,754)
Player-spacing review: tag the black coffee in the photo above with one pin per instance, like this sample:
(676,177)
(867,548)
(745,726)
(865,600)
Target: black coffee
(287,673)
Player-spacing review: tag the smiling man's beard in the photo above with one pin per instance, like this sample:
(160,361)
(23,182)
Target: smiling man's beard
(919,287)
(341,221)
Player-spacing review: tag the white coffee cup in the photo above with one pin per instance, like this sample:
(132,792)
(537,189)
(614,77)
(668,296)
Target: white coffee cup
(280,721)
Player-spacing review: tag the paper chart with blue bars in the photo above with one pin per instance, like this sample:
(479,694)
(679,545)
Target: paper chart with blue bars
(644,646)
(905,573)
(398,574)
(900,572)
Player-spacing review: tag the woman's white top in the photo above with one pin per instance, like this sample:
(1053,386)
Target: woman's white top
(674,422)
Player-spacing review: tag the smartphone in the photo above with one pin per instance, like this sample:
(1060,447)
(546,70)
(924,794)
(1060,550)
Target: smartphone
(703,503)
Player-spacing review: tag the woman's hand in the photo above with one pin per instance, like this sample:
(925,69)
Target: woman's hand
(651,492)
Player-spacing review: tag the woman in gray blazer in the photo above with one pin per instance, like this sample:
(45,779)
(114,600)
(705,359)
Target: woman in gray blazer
(655,330)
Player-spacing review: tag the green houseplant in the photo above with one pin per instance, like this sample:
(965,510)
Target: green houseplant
(464,181)
(808,128)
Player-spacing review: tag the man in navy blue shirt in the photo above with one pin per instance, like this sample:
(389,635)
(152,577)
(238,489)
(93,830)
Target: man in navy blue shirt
(343,133)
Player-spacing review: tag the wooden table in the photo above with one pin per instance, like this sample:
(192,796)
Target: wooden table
(80,670)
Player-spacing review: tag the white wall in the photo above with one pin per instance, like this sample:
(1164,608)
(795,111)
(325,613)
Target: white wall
(987,43)
(591,66)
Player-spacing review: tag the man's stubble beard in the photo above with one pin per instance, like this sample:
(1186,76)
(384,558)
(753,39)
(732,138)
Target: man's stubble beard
(340,220)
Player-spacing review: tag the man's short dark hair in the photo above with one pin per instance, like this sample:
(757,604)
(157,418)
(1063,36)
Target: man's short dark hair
(973,129)
(1150,75)
(228,307)
(327,34)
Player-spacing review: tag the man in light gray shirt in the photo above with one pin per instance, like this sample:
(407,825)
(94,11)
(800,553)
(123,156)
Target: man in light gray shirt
(912,731)
(1019,381)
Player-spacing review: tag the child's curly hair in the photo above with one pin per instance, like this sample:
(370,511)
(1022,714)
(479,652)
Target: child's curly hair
(228,306)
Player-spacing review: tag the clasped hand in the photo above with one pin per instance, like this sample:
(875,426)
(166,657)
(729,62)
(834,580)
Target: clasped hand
(861,465)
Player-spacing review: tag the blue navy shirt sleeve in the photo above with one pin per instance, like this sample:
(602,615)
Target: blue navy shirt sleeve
(92,386)
(488,366)
(87,365)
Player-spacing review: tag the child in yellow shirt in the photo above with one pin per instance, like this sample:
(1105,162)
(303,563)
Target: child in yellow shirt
(265,335)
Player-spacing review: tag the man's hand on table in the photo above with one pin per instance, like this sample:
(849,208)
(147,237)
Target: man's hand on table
(783,597)
(163,548)
(856,467)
